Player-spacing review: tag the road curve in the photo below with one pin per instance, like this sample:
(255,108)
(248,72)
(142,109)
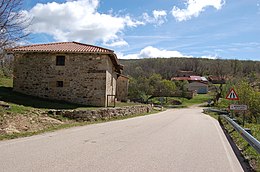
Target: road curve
(180,140)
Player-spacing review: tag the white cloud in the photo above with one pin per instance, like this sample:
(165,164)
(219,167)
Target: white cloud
(158,18)
(210,57)
(151,52)
(194,8)
(129,56)
(79,20)
(118,43)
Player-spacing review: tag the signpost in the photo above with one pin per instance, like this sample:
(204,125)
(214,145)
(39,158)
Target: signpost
(238,107)
(232,95)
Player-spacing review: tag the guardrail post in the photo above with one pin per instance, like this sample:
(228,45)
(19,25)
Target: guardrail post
(244,119)
(248,130)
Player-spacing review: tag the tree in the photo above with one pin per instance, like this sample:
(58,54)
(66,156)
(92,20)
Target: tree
(167,87)
(237,67)
(13,25)
(249,97)
(146,87)
(139,89)
(13,22)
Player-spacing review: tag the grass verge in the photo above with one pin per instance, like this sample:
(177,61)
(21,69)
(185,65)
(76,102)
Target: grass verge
(197,99)
(249,153)
(73,124)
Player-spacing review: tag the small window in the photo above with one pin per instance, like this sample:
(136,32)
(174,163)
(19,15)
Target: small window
(59,84)
(60,60)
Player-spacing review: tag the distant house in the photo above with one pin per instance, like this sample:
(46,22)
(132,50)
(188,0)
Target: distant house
(204,80)
(196,83)
(198,87)
(68,71)
(217,80)
(180,78)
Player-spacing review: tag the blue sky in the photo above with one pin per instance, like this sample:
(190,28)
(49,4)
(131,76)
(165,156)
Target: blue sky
(227,29)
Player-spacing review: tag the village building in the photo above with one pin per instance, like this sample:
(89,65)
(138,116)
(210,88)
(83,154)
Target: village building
(217,80)
(196,84)
(198,87)
(69,71)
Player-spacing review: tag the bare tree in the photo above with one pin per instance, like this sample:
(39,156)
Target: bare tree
(13,25)
(13,22)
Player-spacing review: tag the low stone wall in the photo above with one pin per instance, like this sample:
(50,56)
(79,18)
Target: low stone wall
(102,113)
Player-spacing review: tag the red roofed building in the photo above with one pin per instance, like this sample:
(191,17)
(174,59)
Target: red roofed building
(196,83)
(69,71)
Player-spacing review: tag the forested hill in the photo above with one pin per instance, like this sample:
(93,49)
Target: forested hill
(167,67)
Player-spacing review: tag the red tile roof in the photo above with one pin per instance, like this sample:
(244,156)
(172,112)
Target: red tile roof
(73,47)
(180,78)
(68,47)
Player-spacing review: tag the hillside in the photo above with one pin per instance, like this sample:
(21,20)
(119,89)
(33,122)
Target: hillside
(167,67)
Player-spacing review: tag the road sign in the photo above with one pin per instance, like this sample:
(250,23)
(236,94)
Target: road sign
(232,95)
(238,107)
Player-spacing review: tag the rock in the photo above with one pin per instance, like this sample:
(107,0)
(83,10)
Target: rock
(5,105)
(50,120)
(175,102)
(10,130)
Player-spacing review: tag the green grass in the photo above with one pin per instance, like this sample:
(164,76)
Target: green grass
(248,152)
(212,114)
(197,99)
(6,82)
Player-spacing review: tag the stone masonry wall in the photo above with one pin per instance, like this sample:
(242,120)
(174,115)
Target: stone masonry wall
(122,88)
(111,78)
(84,77)
(102,113)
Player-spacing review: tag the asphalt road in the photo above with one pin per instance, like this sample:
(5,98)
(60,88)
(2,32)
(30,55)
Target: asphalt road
(181,140)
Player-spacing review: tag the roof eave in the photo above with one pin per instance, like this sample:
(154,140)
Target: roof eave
(115,62)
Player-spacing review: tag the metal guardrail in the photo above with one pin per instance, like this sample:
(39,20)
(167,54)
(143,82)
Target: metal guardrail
(248,137)
(216,110)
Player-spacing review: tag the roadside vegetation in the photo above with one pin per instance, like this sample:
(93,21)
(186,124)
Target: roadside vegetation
(248,92)
(181,102)
(249,153)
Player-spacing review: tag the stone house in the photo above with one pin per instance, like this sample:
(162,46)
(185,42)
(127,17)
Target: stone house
(68,71)
(122,88)
(198,87)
